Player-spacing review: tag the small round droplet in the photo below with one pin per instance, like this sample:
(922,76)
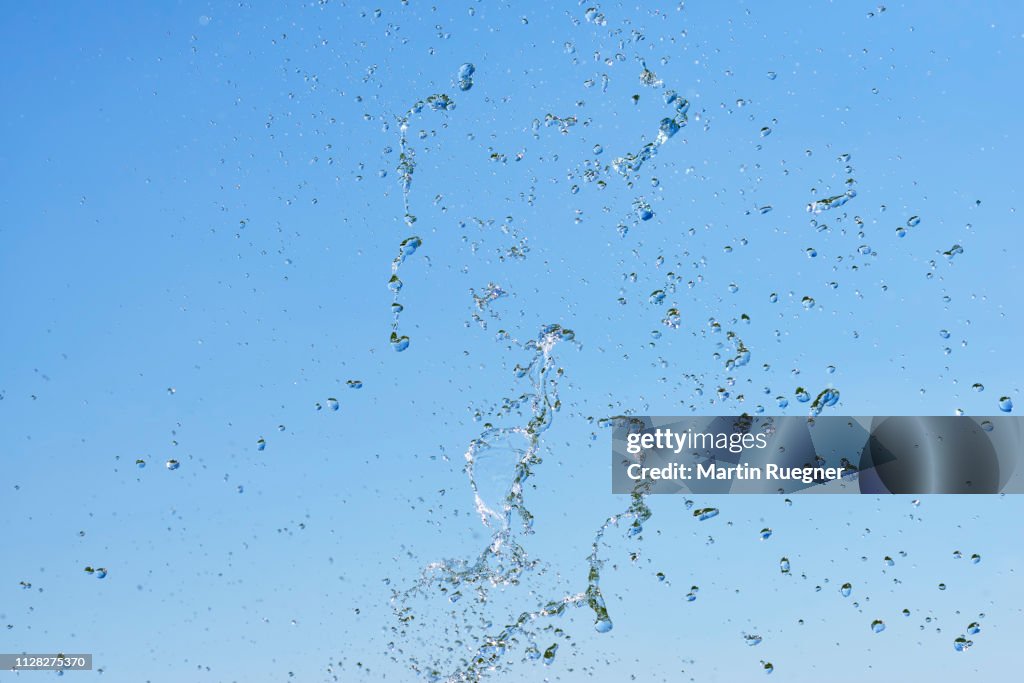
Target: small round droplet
(877,625)
(766,533)
(172,464)
(846,590)
(1005,404)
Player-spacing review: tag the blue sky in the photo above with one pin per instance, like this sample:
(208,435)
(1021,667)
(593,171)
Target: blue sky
(201,208)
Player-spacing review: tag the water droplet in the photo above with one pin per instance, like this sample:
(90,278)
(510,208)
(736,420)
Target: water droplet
(752,639)
(643,210)
(603,625)
(465,76)
(802,395)
(889,562)
(140,463)
(978,386)
(944,334)
(766,533)
(657,296)
(333,404)
(549,654)
(974,628)
(913,221)
(807,302)
(399,343)
(961,644)
(354,383)
(1005,404)
(782,401)
(768,667)
(705,513)
(811,252)
(975,558)
(172,464)
(987,425)
(901,231)
(877,625)
(846,590)
(942,586)
(773,298)
(261,444)
(784,565)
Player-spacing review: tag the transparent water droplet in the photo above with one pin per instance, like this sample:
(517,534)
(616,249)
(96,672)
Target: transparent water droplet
(705,513)
(913,221)
(399,343)
(332,403)
(773,298)
(766,533)
(846,589)
(1005,404)
(807,302)
(172,464)
(752,639)
(768,667)
(784,565)
(974,628)
(354,383)
(261,444)
(877,625)
(961,644)
(975,558)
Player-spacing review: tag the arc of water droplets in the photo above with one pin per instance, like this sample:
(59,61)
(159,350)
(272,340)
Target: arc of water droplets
(504,561)
(408,247)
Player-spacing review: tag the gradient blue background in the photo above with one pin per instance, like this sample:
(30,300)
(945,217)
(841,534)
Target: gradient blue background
(203,196)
